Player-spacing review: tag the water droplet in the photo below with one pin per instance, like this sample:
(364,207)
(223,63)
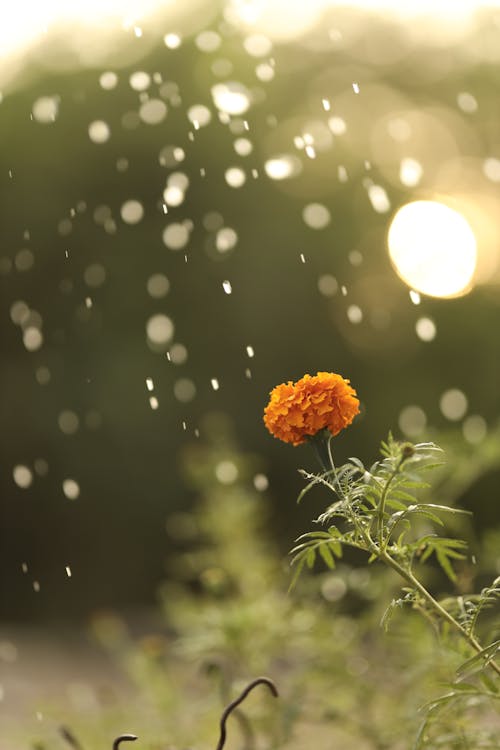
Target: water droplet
(258,45)
(453,404)
(226,285)
(99,131)
(132,212)
(235,177)
(354,314)
(45,109)
(379,199)
(68,422)
(467,102)
(260,482)
(199,115)
(410,172)
(71,489)
(178,354)
(412,421)
(226,472)
(225,239)
(208,41)
(32,339)
(153,111)
(184,391)
(283,167)
(215,384)
(426,329)
(243,146)
(491,169)
(316,216)
(337,125)
(22,476)
(172,41)
(108,80)
(474,429)
(342,173)
(328,285)
(159,329)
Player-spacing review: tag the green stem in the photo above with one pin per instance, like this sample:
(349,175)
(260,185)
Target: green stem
(381,508)
(321,446)
(441,611)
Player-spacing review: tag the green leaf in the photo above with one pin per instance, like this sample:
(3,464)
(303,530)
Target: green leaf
(300,562)
(395,504)
(415,483)
(359,464)
(310,557)
(430,467)
(326,554)
(444,562)
(309,486)
(479,660)
(401,495)
(420,510)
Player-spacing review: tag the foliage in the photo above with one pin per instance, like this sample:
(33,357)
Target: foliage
(377,511)
(226,617)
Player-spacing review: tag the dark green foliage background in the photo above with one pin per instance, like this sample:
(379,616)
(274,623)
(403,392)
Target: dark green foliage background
(113,535)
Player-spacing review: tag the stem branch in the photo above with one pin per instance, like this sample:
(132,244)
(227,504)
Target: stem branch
(436,606)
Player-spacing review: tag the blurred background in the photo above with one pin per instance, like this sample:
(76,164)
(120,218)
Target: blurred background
(200,200)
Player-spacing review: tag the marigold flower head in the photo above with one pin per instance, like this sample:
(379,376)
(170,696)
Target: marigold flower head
(296,411)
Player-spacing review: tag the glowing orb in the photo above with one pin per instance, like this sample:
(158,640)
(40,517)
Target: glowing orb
(433,249)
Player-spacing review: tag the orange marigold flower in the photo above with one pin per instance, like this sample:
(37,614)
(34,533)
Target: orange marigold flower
(296,411)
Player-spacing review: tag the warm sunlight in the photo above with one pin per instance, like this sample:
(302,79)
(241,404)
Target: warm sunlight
(433,248)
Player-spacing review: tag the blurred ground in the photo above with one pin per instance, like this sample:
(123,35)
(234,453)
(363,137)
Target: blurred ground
(48,673)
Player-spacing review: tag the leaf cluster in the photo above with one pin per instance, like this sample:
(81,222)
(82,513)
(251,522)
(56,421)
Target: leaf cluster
(376,509)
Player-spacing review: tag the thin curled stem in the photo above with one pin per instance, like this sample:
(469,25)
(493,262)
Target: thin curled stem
(258,681)
(123,738)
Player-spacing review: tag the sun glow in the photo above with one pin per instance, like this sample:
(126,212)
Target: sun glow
(433,249)
(28,21)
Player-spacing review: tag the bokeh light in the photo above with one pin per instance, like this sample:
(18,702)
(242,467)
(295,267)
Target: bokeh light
(433,248)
